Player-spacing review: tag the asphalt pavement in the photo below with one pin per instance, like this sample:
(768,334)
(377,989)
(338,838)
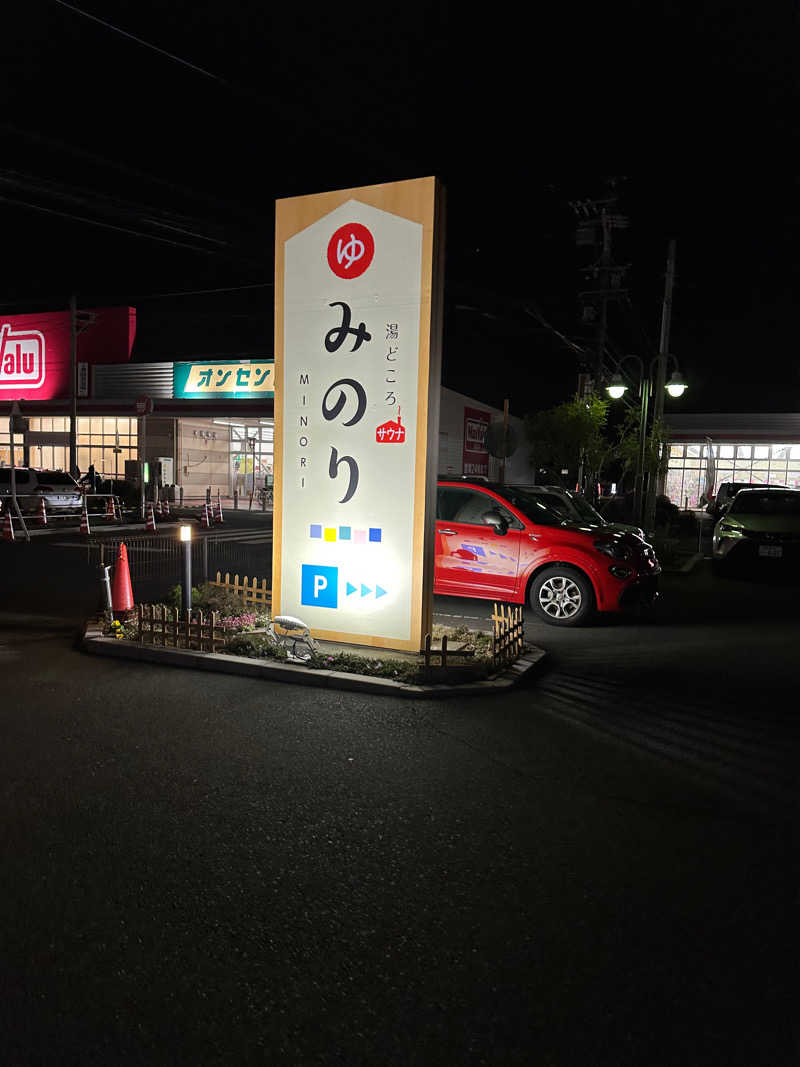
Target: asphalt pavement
(208,870)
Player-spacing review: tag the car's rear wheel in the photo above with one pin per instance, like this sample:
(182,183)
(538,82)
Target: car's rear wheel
(562,596)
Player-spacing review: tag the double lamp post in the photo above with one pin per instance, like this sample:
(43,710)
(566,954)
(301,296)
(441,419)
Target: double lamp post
(675,387)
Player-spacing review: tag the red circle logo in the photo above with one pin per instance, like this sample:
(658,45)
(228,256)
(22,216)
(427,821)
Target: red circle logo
(350,250)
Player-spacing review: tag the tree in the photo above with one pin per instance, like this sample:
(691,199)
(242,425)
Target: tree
(570,434)
(626,449)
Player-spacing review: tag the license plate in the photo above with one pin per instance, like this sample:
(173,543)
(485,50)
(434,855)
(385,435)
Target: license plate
(774,551)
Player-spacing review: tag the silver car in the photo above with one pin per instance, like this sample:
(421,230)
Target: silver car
(60,491)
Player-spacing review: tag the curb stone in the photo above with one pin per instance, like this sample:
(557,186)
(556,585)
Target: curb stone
(96,644)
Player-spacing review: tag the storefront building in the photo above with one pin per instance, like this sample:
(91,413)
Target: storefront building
(210,422)
(706,450)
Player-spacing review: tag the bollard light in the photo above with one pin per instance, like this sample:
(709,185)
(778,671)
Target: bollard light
(186,586)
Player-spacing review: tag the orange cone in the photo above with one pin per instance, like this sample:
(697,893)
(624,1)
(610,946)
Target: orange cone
(151,519)
(205,522)
(85,521)
(110,512)
(159,509)
(166,506)
(8,528)
(121,591)
(42,515)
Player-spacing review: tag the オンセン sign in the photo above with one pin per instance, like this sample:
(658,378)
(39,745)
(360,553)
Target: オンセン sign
(357,369)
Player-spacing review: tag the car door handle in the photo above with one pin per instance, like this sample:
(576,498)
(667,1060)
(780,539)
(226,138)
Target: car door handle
(452,532)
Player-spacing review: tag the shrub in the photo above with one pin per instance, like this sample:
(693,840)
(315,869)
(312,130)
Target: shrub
(207,598)
(239,623)
(256,647)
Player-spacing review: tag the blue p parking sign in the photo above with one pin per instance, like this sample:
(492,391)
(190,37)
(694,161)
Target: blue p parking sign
(319,586)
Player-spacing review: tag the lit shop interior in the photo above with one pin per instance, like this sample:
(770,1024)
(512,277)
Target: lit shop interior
(775,464)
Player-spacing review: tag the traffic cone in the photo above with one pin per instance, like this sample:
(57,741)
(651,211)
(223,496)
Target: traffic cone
(85,521)
(42,515)
(110,512)
(166,506)
(205,522)
(151,519)
(159,509)
(8,528)
(218,517)
(121,591)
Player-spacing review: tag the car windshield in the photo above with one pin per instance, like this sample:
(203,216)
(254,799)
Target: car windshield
(56,478)
(751,502)
(584,509)
(544,507)
(21,476)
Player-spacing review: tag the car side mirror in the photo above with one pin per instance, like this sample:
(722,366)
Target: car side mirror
(495,519)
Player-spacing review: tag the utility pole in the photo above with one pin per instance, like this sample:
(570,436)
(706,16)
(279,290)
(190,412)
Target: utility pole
(73,389)
(597,221)
(661,373)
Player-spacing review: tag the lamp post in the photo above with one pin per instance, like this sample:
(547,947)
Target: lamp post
(186,589)
(616,389)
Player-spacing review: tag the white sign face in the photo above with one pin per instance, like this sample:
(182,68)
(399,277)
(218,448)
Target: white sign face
(352,295)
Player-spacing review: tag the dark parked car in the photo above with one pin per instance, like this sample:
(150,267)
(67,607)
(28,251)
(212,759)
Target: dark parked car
(60,491)
(728,490)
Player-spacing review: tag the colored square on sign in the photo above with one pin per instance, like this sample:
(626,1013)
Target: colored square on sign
(330,533)
(344,533)
(316,530)
(319,586)
(360,537)
(374,533)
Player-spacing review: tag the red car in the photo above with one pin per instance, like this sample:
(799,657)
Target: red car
(502,543)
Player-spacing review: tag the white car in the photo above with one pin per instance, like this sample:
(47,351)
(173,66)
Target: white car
(60,491)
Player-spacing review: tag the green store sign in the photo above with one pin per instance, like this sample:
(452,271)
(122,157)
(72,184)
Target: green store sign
(224,380)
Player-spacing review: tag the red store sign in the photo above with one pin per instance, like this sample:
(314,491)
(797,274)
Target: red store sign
(35,349)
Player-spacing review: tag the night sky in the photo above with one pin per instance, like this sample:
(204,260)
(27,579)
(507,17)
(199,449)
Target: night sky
(693,106)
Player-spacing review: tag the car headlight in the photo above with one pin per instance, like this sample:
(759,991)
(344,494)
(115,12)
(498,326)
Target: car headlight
(730,531)
(613,549)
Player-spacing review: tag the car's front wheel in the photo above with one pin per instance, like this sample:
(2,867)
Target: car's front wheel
(562,596)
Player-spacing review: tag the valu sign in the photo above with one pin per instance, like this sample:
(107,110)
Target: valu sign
(357,369)
(35,349)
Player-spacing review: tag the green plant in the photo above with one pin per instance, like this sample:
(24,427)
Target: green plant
(569,434)
(477,641)
(256,647)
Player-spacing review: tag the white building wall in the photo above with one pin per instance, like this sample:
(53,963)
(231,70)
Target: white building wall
(519,470)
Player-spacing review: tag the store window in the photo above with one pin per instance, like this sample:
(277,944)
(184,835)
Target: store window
(252,453)
(687,476)
(97,439)
(5,448)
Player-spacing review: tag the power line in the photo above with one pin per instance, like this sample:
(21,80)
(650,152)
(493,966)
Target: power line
(140,40)
(204,292)
(106,225)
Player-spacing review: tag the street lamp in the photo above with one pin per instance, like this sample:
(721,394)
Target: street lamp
(616,388)
(186,589)
(676,386)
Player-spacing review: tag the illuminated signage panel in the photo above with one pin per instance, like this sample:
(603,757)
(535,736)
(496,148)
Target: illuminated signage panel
(35,350)
(356,416)
(224,380)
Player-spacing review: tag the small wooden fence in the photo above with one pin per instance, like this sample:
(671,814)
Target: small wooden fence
(507,634)
(249,589)
(170,628)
